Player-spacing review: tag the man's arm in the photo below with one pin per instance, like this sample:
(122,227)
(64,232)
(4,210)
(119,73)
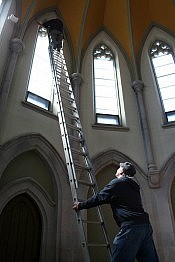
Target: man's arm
(102,197)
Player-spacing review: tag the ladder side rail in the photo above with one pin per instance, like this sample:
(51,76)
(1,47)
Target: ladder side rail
(63,129)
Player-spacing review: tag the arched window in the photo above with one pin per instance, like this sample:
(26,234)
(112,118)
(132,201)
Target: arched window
(40,87)
(105,87)
(163,62)
(0,6)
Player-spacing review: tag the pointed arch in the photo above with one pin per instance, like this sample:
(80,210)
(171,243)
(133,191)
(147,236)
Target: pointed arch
(114,157)
(116,42)
(46,15)
(147,72)
(123,75)
(151,29)
(48,207)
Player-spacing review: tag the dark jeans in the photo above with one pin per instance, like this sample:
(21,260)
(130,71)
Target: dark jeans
(134,242)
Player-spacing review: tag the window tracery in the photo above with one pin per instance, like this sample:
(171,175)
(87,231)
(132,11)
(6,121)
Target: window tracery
(163,63)
(105,86)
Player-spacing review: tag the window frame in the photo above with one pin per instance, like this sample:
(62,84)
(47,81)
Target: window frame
(28,92)
(165,113)
(115,117)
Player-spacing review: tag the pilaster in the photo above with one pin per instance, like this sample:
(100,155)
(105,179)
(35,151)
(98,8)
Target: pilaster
(153,172)
(76,81)
(16,47)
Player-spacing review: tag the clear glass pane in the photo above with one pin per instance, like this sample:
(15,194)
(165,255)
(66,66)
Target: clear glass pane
(104,82)
(104,73)
(103,64)
(41,75)
(106,111)
(104,91)
(169,104)
(168,92)
(103,103)
(108,120)
(162,60)
(165,70)
(38,101)
(106,98)
(171,116)
(166,80)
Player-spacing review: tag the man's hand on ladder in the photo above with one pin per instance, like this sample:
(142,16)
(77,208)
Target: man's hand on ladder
(75,206)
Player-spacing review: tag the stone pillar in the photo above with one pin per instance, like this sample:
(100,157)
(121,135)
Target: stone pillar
(76,80)
(16,47)
(153,173)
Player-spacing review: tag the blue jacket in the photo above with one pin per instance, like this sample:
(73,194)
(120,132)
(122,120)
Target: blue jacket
(123,194)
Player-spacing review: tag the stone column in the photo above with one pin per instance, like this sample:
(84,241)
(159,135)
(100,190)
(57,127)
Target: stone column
(16,47)
(153,173)
(76,80)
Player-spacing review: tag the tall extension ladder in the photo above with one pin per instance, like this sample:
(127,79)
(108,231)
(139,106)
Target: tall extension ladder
(78,162)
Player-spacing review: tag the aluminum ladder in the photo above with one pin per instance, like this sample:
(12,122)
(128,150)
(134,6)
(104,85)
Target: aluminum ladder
(79,166)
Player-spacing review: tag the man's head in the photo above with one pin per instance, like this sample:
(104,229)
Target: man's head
(128,169)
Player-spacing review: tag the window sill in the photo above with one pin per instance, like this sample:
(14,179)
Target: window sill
(168,125)
(38,109)
(110,127)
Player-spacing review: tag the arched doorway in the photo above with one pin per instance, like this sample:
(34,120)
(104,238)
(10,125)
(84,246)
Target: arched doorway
(20,230)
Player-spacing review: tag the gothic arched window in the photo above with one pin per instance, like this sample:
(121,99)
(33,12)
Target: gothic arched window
(163,62)
(105,87)
(40,87)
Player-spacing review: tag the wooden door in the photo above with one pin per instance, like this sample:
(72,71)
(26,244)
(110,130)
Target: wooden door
(20,231)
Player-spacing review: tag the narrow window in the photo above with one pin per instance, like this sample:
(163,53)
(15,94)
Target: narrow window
(40,84)
(163,62)
(105,86)
(1,5)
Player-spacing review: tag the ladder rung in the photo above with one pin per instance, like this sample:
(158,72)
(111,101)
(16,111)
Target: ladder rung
(97,245)
(68,99)
(63,83)
(86,183)
(82,166)
(77,139)
(73,108)
(70,125)
(73,127)
(91,222)
(68,91)
(71,116)
(76,151)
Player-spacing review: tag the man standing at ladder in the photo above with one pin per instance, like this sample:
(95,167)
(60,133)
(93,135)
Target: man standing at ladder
(134,240)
